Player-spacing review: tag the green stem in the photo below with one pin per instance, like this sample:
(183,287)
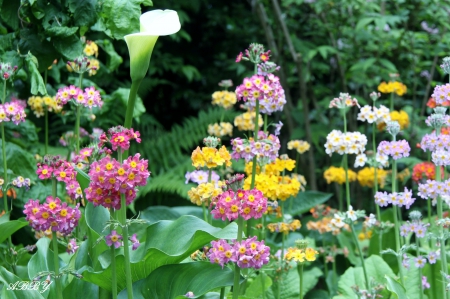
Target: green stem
(237,270)
(46,116)
(126,248)
(300,275)
(297,158)
(113,272)
(209,212)
(420,270)
(265,123)
(56,265)
(347,184)
(131,102)
(222,293)
(375,187)
(5,170)
(355,239)
(392,102)
(205,217)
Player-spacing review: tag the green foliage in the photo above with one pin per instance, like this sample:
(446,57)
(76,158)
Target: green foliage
(20,162)
(304,201)
(9,227)
(8,278)
(289,284)
(182,278)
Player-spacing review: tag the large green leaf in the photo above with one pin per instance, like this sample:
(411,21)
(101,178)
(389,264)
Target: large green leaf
(37,83)
(167,242)
(197,277)
(376,269)
(96,218)
(259,285)
(114,60)
(8,279)
(9,227)
(19,161)
(398,291)
(290,283)
(84,12)
(305,201)
(126,17)
(156,213)
(413,280)
(345,240)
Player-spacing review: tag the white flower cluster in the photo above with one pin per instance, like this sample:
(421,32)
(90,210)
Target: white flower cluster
(377,115)
(347,143)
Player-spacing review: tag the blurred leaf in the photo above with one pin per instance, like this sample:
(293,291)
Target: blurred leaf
(37,83)
(114,59)
(260,284)
(19,161)
(9,227)
(290,282)
(8,278)
(84,12)
(306,200)
(62,31)
(398,291)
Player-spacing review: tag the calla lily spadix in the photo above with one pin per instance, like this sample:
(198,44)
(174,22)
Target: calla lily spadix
(140,46)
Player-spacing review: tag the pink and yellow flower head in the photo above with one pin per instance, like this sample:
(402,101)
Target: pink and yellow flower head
(210,157)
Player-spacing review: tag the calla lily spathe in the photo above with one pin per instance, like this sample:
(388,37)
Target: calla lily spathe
(140,45)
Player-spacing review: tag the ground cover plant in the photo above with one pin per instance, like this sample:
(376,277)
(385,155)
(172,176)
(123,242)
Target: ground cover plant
(319,170)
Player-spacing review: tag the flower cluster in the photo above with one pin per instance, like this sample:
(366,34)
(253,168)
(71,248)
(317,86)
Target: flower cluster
(83,64)
(201,176)
(72,246)
(268,91)
(220,129)
(87,98)
(337,175)
(397,198)
(299,145)
(416,227)
(399,116)
(433,142)
(366,177)
(433,189)
(284,228)
(432,103)
(245,203)
(246,121)
(119,137)
(90,49)
(248,253)
(224,98)
(345,143)
(114,239)
(13,111)
(52,215)
(63,171)
(392,87)
(6,70)
(395,149)
(265,148)
(425,170)
(441,94)
(210,157)
(204,192)
(68,138)
(376,115)
(20,182)
(324,226)
(110,179)
(441,157)
(301,255)
(343,101)
(40,104)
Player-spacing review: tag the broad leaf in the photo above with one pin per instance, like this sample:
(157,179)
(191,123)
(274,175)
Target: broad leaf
(290,283)
(167,242)
(19,161)
(37,83)
(9,279)
(398,291)
(8,227)
(259,285)
(304,201)
(197,277)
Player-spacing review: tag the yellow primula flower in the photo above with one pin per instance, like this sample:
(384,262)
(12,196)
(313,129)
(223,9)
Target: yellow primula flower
(299,145)
(245,121)
(91,49)
(224,98)
(393,86)
(337,175)
(210,157)
(310,254)
(366,177)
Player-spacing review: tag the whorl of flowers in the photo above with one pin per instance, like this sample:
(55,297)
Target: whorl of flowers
(432,142)
(82,64)
(224,98)
(220,129)
(266,148)
(248,253)
(265,89)
(392,87)
(88,98)
(301,255)
(400,199)
(204,192)
(244,203)
(285,228)
(40,104)
(395,149)
(6,70)
(119,137)
(324,226)
(343,101)
(439,119)
(432,189)
(52,215)
(399,116)
(345,143)
(337,175)
(13,111)
(90,48)
(200,176)
(299,145)
(68,137)
(246,121)
(425,170)
(377,115)
(441,94)
(110,179)
(210,157)
(416,226)
(20,182)
(366,177)
(63,171)
(441,157)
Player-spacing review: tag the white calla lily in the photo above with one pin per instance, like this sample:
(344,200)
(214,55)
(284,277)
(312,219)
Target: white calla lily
(140,47)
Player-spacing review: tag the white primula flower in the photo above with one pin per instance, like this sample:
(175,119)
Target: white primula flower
(371,220)
(361,160)
(351,213)
(383,160)
(337,221)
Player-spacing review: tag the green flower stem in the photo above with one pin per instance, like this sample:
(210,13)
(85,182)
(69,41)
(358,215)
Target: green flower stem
(392,102)
(131,102)
(209,212)
(420,270)
(78,116)
(325,266)
(205,217)
(126,248)
(341,203)
(5,170)
(396,221)
(375,186)
(46,117)
(237,270)
(300,275)
(113,272)
(297,159)
(222,293)
(56,264)
(254,162)
(334,271)
(355,239)
(347,184)
(265,123)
